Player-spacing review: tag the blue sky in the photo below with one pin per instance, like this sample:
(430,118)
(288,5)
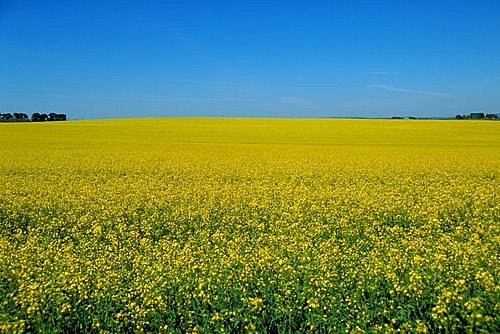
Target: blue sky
(105,59)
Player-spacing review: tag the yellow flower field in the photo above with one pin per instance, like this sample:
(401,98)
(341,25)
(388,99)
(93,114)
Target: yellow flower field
(250,225)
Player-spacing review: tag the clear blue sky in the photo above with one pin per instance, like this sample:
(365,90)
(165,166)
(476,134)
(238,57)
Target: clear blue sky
(105,59)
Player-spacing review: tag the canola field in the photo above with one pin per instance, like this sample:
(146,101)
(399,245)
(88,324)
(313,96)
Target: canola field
(250,225)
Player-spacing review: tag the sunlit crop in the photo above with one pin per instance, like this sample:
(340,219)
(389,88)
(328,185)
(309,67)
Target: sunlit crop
(245,225)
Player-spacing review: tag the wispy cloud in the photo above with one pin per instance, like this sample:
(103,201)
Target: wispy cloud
(388,102)
(151,98)
(382,72)
(196,82)
(390,88)
(296,101)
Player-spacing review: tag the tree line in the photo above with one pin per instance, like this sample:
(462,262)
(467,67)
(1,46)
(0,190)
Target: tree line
(36,117)
(477,115)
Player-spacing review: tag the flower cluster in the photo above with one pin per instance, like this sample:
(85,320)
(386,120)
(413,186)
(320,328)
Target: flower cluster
(234,225)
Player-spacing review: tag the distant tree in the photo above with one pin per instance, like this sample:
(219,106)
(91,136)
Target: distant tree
(6,117)
(56,117)
(459,117)
(37,117)
(491,116)
(20,117)
(476,115)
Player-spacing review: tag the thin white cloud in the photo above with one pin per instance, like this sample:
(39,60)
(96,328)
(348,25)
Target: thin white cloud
(228,99)
(200,82)
(151,98)
(377,102)
(390,88)
(382,72)
(295,101)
